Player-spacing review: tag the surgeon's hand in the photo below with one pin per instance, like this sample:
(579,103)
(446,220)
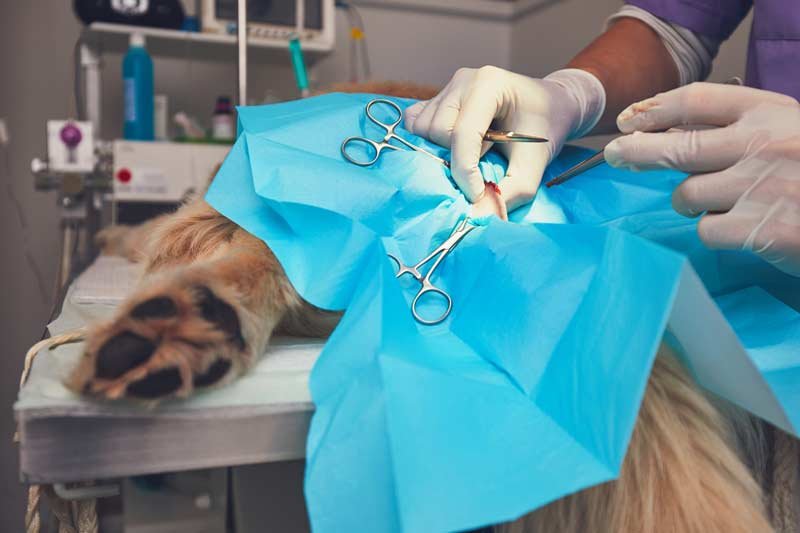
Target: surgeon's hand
(744,171)
(566,104)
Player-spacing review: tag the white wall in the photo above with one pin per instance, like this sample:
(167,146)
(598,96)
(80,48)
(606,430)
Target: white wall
(426,48)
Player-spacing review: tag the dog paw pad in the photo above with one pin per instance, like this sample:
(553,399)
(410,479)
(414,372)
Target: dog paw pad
(160,307)
(121,353)
(215,372)
(156,384)
(221,314)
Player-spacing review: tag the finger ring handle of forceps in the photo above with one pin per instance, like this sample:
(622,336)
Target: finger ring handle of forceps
(372,147)
(426,287)
(378,147)
(375,147)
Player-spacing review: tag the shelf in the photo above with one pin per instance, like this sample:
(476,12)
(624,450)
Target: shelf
(492,9)
(199,37)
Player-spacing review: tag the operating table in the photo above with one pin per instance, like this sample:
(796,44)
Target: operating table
(261,418)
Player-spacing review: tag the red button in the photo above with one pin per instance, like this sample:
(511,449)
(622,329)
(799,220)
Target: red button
(124,175)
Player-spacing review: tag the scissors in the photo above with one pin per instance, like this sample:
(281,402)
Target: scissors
(374,148)
(460,231)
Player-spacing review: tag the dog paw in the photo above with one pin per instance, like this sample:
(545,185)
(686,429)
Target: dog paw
(165,343)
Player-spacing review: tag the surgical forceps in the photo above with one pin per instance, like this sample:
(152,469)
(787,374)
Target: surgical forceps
(593,161)
(460,231)
(600,157)
(376,147)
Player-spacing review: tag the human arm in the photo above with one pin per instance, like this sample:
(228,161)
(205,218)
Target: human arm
(631,62)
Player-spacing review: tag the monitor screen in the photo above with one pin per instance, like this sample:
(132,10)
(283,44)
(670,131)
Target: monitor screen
(277,12)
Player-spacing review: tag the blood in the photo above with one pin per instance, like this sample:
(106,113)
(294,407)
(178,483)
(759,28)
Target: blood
(492,185)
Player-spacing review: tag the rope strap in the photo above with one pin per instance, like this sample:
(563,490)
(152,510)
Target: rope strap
(73,517)
(32,521)
(51,343)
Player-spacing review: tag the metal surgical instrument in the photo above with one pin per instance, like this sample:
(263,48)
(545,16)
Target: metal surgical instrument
(599,157)
(583,166)
(374,148)
(460,231)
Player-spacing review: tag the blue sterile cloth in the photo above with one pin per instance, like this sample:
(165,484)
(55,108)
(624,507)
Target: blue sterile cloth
(530,389)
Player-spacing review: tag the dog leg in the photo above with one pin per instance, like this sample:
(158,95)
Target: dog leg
(130,242)
(211,297)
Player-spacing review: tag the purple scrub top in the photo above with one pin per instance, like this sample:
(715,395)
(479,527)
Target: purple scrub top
(773,57)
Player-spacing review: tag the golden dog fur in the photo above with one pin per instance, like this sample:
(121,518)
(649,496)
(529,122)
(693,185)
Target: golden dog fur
(213,294)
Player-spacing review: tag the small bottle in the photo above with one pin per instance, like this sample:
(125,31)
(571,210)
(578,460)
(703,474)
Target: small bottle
(137,78)
(160,114)
(222,121)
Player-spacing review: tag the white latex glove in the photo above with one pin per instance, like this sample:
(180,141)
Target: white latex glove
(565,104)
(745,170)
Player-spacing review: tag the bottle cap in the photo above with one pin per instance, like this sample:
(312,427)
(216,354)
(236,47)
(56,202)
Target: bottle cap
(137,39)
(223,105)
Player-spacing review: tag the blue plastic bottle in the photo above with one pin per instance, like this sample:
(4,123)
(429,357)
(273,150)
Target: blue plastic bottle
(137,79)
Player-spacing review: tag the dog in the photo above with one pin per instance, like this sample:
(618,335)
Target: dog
(212,295)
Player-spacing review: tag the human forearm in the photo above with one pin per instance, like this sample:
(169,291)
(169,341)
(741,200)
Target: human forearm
(631,62)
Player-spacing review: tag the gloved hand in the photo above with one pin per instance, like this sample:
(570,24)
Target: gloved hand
(565,104)
(745,171)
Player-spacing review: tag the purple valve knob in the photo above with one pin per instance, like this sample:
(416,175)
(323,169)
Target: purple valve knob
(71,135)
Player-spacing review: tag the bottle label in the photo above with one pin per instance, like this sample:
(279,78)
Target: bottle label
(222,127)
(130,100)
